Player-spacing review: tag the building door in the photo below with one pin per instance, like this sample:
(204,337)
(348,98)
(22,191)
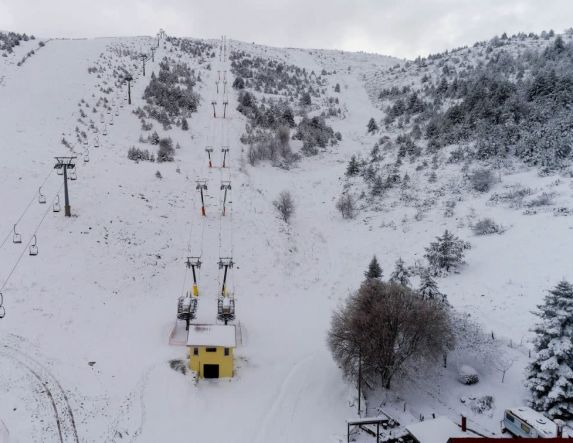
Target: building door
(211,371)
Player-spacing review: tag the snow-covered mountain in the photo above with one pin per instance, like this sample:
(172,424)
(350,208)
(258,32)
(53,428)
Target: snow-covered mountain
(86,347)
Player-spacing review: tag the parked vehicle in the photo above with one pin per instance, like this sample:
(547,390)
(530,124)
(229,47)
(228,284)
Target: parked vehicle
(527,423)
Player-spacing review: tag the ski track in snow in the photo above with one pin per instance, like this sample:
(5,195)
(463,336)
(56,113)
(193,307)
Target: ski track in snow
(63,414)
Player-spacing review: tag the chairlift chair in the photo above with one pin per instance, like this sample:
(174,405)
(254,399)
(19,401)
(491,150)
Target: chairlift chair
(60,171)
(73,175)
(116,113)
(96,144)
(104,130)
(34,247)
(57,207)
(86,156)
(41,197)
(16,238)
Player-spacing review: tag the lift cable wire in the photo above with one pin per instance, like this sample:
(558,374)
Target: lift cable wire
(24,249)
(32,200)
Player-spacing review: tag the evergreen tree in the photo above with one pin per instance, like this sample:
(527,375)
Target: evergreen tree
(184,124)
(306,100)
(337,88)
(239,83)
(429,288)
(372,126)
(446,252)
(374,269)
(550,377)
(401,274)
(353,167)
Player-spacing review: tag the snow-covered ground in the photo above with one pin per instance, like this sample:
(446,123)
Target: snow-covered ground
(88,319)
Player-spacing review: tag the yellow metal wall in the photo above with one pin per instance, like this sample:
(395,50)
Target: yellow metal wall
(218,357)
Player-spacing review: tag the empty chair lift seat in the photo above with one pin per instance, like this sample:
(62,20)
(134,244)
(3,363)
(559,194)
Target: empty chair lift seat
(211,350)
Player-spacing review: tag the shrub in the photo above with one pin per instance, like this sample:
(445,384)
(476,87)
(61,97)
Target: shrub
(482,180)
(486,226)
(166,153)
(346,206)
(284,204)
(467,375)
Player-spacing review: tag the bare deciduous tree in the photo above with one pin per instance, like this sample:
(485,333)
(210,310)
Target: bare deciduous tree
(383,327)
(285,205)
(345,205)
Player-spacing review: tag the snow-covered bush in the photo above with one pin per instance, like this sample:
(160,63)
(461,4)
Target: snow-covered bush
(166,152)
(482,180)
(467,375)
(544,199)
(487,226)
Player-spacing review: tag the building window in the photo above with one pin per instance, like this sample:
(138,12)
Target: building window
(525,428)
(226,351)
(509,417)
(195,351)
(211,349)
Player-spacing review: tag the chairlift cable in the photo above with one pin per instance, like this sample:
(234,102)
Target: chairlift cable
(33,199)
(27,246)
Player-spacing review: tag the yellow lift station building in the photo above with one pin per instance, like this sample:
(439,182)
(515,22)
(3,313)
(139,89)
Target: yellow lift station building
(211,350)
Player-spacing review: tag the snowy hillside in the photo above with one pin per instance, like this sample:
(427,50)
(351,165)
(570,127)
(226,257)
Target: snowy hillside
(85,345)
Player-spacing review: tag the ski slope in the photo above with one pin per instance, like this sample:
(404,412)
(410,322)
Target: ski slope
(84,348)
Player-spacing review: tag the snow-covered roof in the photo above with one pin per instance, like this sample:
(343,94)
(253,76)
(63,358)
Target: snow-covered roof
(437,430)
(536,420)
(211,335)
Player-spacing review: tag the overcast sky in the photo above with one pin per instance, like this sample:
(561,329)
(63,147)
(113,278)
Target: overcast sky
(403,28)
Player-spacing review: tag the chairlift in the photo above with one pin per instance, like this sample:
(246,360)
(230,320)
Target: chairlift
(41,197)
(34,247)
(104,130)
(57,207)
(96,144)
(86,156)
(16,238)
(101,118)
(111,121)
(86,141)
(73,175)
(60,171)
(116,113)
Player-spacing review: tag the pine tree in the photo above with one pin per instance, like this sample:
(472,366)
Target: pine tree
(429,288)
(184,124)
(337,88)
(372,126)
(374,269)
(353,167)
(446,252)
(550,377)
(401,274)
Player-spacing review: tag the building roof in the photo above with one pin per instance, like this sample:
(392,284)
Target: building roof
(536,420)
(437,430)
(211,335)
